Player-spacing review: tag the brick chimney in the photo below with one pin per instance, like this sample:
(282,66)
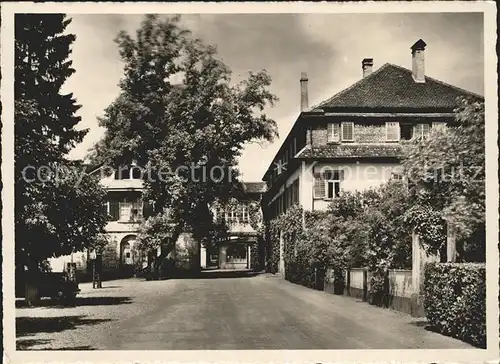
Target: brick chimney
(418,61)
(367,65)
(304,98)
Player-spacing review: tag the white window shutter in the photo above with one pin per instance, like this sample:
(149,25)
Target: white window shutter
(392,131)
(336,132)
(319,186)
(333,132)
(425,130)
(329,131)
(347,131)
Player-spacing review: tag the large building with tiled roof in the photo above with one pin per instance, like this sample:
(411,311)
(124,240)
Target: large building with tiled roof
(351,141)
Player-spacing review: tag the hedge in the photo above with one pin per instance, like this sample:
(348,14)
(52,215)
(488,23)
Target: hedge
(455,300)
(273,247)
(255,258)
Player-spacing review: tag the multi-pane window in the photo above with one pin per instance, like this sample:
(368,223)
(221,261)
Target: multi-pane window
(122,173)
(439,124)
(245,216)
(133,172)
(136,211)
(333,184)
(347,131)
(220,215)
(333,132)
(392,131)
(231,216)
(421,130)
(126,210)
(327,185)
(396,176)
(136,173)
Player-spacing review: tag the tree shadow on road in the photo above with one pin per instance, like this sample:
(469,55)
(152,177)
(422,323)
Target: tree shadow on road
(217,274)
(41,344)
(79,301)
(33,325)
(24,345)
(208,274)
(101,301)
(423,323)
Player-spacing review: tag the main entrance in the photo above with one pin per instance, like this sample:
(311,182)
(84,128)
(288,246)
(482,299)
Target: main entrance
(126,256)
(234,256)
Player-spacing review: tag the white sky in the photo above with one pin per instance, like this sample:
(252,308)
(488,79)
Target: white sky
(329,47)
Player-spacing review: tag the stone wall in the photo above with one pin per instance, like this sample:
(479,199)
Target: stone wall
(401,291)
(369,133)
(319,136)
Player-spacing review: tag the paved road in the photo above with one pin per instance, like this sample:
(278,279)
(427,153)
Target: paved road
(260,312)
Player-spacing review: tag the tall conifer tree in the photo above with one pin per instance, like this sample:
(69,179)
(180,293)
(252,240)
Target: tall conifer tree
(53,216)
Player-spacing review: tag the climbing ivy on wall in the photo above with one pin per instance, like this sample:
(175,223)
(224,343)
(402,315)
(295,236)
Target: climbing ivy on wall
(359,229)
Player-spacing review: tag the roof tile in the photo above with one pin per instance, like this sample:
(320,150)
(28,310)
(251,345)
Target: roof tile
(393,87)
(353,151)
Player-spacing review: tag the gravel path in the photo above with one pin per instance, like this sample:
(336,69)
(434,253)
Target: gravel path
(259,312)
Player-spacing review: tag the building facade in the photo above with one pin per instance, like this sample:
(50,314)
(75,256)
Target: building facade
(243,248)
(126,210)
(352,141)
(121,257)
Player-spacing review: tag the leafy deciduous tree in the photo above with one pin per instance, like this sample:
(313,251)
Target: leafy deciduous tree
(201,123)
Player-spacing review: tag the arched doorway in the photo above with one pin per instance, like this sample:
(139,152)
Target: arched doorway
(126,255)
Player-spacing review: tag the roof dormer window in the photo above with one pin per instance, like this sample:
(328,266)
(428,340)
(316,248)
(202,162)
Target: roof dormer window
(421,131)
(132,172)
(333,133)
(122,173)
(136,173)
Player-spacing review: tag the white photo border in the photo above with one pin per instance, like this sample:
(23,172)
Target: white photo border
(7,96)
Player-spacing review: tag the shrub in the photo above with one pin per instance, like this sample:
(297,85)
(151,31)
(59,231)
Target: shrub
(455,300)
(255,257)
